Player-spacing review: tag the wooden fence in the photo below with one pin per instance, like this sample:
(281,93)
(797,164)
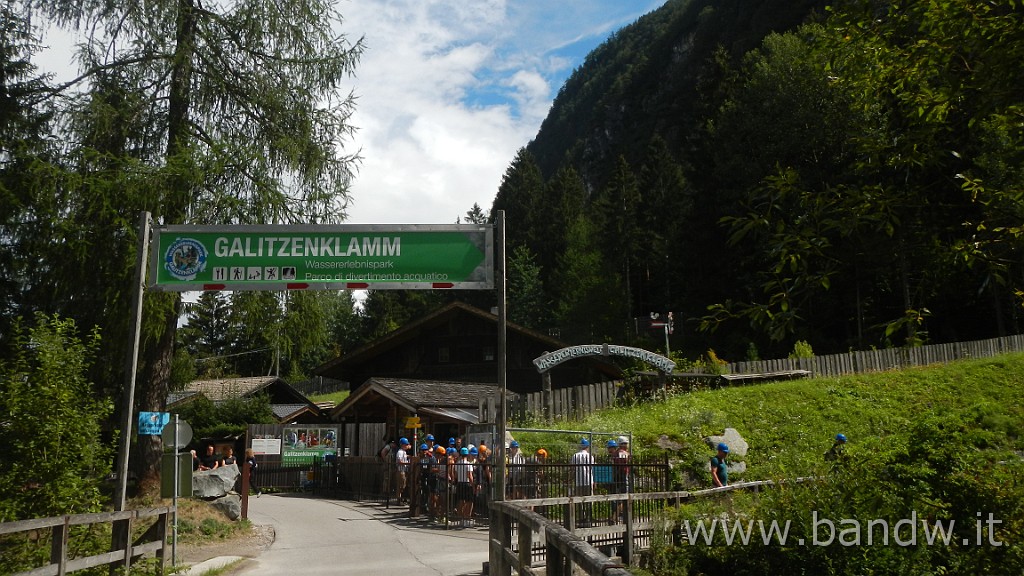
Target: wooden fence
(122,553)
(885,359)
(573,403)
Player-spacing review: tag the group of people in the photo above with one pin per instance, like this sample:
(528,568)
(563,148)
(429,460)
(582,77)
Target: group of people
(210,460)
(457,472)
(460,477)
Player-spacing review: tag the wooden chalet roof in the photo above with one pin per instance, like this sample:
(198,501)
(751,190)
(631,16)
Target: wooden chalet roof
(417,395)
(227,388)
(413,329)
(286,403)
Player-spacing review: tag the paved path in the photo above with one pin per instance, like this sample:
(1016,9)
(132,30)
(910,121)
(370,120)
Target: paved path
(318,536)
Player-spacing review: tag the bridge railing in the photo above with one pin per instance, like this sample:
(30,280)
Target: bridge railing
(123,552)
(564,536)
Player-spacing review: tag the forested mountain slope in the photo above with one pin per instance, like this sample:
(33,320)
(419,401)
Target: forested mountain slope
(847,175)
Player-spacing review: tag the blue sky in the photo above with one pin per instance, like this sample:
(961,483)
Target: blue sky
(448,91)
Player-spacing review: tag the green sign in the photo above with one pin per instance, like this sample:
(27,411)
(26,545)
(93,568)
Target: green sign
(323,257)
(308,445)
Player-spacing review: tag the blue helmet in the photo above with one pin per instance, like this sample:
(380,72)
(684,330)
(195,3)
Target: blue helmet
(723,447)
(613,444)
(430,436)
(452,451)
(464,451)
(424,447)
(403,441)
(584,442)
(841,438)
(451,441)
(514,444)
(474,450)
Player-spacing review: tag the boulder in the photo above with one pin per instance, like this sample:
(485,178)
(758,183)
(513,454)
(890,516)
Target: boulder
(668,444)
(208,484)
(230,505)
(737,445)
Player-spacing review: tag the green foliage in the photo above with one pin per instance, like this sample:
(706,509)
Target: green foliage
(945,471)
(801,349)
(935,444)
(54,453)
(527,303)
(226,418)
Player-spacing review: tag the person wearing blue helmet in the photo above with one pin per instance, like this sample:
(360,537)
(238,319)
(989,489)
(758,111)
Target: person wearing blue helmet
(402,469)
(464,488)
(584,480)
(424,462)
(516,472)
(837,451)
(719,468)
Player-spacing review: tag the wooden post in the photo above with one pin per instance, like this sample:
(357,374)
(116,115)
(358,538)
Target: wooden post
(525,547)
(627,545)
(59,546)
(549,403)
(555,565)
(163,524)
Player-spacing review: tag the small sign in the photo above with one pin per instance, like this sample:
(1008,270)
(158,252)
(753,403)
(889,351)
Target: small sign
(413,422)
(152,423)
(184,435)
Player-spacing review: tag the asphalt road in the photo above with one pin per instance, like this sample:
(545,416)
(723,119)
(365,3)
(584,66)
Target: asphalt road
(317,536)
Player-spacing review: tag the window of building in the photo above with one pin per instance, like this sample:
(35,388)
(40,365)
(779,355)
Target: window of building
(443,355)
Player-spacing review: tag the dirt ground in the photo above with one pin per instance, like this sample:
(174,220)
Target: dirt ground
(249,546)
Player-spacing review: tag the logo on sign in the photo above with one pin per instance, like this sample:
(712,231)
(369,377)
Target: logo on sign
(185,258)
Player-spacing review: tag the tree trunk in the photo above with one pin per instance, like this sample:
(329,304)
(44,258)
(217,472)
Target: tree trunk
(157,374)
(157,377)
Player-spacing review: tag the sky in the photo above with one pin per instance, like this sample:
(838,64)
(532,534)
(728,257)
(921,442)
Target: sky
(447,92)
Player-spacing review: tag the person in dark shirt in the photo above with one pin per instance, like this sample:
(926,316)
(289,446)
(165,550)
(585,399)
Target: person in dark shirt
(719,468)
(209,460)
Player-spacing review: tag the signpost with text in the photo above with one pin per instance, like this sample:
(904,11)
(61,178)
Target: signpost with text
(310,257)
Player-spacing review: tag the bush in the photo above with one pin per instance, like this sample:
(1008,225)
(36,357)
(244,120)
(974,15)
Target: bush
(54,459)
(948,474)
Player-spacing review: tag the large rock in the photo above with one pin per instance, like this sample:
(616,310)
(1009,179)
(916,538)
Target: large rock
(737,445)
(230,505)
(208,484)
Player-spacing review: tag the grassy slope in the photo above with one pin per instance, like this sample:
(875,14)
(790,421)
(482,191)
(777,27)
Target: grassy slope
(789,425)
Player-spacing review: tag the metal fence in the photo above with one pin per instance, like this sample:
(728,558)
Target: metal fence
(432,490)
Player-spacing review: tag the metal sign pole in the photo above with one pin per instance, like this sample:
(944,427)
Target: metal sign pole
(128,407)
(499,282)
(174,497)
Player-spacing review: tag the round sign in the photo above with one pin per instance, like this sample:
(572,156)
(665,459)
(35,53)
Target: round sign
(184,435)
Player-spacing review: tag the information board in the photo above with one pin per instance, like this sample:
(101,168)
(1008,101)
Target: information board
(309,257)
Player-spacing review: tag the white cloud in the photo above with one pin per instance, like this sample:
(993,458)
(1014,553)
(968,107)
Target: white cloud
(448,91)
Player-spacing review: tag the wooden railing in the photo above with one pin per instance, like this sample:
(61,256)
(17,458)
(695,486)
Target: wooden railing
(517,527)
(121,555)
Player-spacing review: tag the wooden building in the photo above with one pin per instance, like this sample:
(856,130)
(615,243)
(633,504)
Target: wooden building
(439,368)
(288,404)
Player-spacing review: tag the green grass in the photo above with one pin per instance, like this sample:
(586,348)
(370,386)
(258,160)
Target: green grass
(940,443)
(336,397)
(789,425)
